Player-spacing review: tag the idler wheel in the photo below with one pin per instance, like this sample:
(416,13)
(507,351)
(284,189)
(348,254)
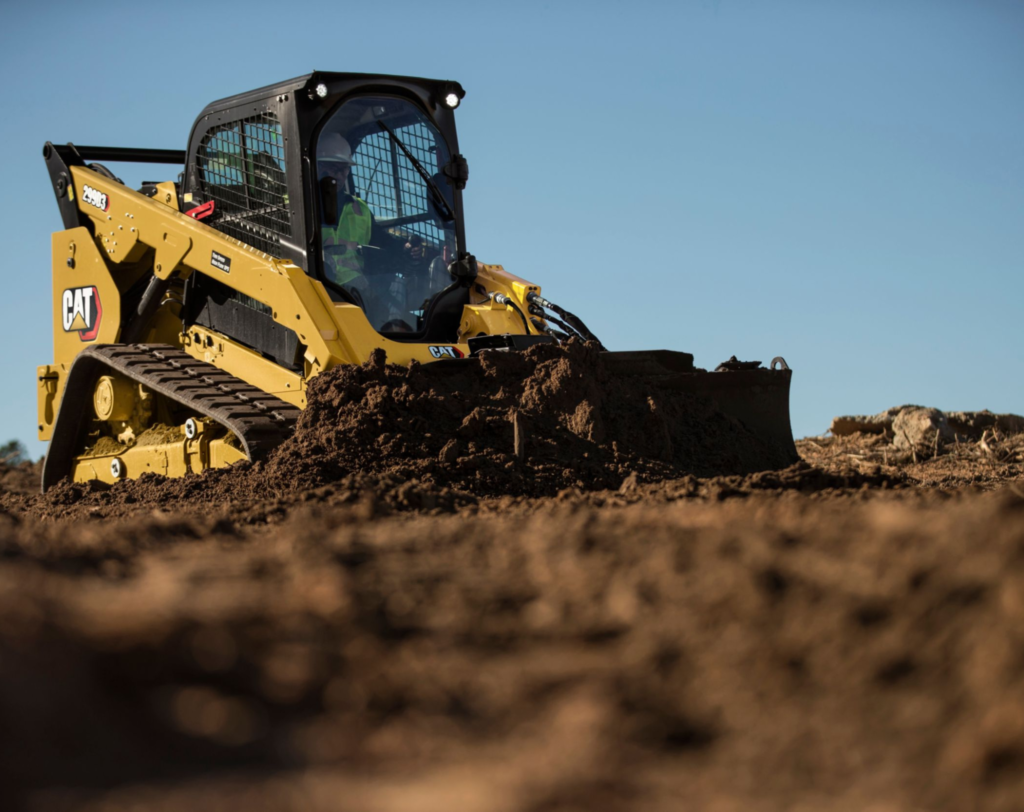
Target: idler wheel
(113,398)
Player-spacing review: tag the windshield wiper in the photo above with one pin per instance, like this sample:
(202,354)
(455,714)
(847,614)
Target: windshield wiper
(435,193)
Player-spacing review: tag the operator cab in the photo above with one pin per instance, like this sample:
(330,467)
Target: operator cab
(356,178)
(387,227)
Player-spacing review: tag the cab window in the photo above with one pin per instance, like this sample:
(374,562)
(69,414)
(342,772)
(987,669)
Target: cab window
(388,226)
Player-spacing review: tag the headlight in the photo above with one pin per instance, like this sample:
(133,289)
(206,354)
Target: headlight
(451,95)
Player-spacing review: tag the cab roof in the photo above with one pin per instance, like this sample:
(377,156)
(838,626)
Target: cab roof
(327,77)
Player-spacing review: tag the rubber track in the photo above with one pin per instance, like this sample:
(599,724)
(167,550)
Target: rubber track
(260,420)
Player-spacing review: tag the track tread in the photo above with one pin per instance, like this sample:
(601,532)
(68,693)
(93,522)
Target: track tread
(260,420)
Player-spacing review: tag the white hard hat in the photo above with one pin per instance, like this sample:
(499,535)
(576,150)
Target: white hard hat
(333,148)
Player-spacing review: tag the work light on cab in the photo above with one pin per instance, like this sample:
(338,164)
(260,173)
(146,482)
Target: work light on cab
(452,95)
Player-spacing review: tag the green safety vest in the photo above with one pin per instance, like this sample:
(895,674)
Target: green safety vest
(354,228)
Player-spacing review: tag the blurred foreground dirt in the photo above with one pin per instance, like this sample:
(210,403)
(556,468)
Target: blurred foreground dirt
(847,633)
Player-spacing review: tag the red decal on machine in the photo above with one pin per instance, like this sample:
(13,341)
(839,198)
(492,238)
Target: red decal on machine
(445,352)
(82,311)
(202,212)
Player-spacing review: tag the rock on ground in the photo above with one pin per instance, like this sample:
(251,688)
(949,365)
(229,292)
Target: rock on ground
(917,425)
(920,428)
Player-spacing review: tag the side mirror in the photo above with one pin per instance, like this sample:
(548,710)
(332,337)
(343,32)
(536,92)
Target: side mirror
(457,171)
(464,269)
(329,201)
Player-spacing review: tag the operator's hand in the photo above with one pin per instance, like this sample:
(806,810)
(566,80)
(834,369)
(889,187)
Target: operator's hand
(414,247)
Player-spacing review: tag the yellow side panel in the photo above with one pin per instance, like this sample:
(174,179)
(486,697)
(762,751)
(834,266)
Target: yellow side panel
(49,382)
(488,320)
(86,302)
(86,310)
(242,362)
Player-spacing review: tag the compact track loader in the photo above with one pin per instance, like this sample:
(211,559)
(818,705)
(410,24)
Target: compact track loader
(314,222)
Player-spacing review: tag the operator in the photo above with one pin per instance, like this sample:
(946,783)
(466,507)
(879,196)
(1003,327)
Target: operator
(343,263)
(381,295)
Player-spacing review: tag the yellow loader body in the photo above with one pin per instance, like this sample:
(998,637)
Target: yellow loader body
(190,316)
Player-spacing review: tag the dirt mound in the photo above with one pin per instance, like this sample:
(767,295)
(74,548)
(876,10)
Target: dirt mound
(24,477)
(925,446)
(429,437)
(951,425)
(577,425)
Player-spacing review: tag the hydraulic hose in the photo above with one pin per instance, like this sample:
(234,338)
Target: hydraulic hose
(135,328)
(535,298)
(551,331)
(502,299)
(571,332)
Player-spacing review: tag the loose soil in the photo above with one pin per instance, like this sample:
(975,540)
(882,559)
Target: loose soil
(375,619)
(520,425)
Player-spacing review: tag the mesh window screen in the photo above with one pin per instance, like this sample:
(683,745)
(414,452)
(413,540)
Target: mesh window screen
(386,179)
(242,169)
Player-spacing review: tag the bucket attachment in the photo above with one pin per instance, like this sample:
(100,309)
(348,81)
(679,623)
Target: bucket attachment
(658,405)
(754,396)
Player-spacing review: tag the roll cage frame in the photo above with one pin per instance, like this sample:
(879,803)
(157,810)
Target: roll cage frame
(302,113)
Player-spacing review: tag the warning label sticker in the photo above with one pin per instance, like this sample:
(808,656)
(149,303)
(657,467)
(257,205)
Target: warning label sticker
(221,262)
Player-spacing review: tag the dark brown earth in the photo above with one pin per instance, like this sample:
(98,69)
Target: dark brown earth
(416,439)
(367,622)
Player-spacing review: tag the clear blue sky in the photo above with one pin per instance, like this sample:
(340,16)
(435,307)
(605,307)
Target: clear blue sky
(840,183)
